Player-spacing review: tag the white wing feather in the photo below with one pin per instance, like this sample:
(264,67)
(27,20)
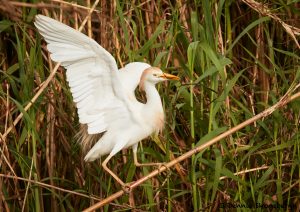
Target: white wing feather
(101,97)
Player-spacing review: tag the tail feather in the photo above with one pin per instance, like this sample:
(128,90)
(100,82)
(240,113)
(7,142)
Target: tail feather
(91,156)
(86,140)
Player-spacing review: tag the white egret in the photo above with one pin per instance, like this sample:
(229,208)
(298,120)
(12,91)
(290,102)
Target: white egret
(104,95)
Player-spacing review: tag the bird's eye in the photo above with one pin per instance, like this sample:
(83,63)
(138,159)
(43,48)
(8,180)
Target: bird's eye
(155,75)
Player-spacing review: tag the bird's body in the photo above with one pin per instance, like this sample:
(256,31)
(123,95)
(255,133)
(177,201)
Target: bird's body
(129,133)
(104,95)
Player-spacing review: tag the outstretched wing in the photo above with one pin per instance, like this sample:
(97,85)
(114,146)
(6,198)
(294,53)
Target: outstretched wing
(92,74)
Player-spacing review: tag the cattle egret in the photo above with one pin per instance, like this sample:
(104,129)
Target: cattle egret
(104,95)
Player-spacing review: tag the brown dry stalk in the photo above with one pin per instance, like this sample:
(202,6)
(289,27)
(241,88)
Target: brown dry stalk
(27,187)
(45,185)
(265,11)
(50,144)
(63,4)
(5,158)
(47,81)
(32,101)
(43,87)
(74,4)
(243,172)
(252,170)
(282,102)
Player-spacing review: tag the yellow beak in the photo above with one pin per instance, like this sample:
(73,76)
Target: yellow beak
(169,76)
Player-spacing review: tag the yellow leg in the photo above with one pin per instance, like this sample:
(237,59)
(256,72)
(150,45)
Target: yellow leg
(111,172)
(138,164)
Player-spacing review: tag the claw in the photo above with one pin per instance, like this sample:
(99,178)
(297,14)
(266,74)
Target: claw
(159,165)
(126,188)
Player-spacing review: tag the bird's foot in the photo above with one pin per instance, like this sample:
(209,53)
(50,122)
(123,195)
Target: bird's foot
(126,188)
(160,165)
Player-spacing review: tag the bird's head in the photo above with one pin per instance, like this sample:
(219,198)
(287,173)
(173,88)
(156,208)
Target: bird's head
(155,75)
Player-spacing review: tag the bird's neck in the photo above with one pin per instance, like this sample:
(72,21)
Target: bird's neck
(153,108)
(153,98)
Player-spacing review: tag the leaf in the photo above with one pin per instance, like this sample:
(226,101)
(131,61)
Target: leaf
(211,135)
(212,70)
(149,44)
(5,25)
(218,168)
(246,30)
(263,180)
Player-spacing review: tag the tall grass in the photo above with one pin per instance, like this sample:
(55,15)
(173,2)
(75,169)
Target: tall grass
(234,61)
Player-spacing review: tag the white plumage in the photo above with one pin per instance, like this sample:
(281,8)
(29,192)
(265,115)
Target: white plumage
(104,95)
